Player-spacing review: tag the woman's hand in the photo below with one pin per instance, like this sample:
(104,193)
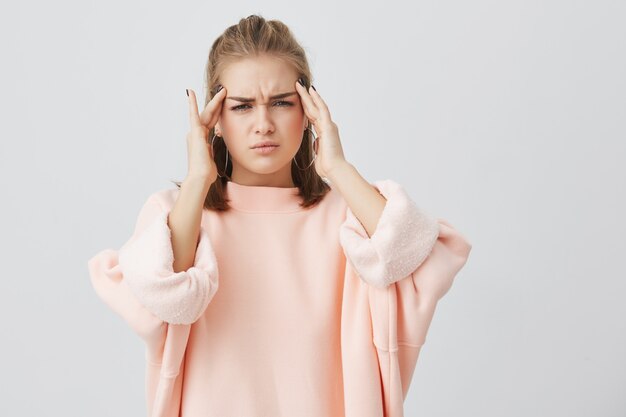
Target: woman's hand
(329,150)
(199,151)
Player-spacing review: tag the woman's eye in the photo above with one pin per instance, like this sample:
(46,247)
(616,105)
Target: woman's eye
(281,103)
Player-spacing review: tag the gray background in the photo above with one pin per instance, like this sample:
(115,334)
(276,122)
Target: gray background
(505,118)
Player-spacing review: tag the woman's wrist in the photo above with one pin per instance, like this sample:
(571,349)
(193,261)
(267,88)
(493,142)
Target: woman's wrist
(197,180)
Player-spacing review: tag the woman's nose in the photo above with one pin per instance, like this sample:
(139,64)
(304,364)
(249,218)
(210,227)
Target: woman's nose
(263,118)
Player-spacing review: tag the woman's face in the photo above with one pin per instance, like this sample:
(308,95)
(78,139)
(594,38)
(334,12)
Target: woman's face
(244,123)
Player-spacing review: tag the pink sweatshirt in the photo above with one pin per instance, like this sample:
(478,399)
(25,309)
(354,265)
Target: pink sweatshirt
(286,311)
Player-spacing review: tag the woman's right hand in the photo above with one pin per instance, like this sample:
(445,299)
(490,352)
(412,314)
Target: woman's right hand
(199,151)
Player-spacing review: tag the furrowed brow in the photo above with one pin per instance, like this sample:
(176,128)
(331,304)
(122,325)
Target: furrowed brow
(251,100)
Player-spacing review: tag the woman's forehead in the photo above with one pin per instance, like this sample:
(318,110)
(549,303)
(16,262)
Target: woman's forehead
(260,77)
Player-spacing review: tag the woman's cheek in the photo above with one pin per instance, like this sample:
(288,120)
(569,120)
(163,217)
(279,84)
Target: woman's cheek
(230,126)
(225,119)
(295,122)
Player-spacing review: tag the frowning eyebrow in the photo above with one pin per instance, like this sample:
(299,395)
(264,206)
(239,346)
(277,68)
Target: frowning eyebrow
(251,100)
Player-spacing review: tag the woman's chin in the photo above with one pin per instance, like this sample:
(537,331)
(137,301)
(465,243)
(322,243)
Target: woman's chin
(265,167)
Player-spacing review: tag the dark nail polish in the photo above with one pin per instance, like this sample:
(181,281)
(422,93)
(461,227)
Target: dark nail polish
(313,87)
(219,88)
(301,81)
(187,91)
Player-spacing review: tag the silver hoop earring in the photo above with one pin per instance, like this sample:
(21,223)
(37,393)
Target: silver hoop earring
(313,146)
(213,150)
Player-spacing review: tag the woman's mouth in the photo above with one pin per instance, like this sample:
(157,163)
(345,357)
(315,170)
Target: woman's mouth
(264,150)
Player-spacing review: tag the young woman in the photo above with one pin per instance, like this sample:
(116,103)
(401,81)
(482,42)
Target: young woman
(327,283)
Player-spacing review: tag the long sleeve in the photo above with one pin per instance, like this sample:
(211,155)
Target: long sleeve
(403,238)
(147,261)
(144,264)
(402,313)
(110,285)
(406,267)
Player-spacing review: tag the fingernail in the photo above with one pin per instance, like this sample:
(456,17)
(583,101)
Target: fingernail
(187,91)
(301,81)
(218,89)
(313,87)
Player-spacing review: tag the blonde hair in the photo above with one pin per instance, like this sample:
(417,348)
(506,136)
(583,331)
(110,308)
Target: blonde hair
(251,37)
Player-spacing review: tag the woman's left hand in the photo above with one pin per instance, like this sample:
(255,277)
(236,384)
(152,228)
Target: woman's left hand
(329,151)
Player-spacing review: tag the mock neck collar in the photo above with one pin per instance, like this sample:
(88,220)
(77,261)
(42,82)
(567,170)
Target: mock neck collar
(263,199)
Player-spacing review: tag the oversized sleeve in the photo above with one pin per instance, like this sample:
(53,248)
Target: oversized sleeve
(404,236)
(138,280)
(406,267)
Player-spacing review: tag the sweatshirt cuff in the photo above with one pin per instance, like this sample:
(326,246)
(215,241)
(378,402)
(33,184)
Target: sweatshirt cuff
(404,237)
(147,262)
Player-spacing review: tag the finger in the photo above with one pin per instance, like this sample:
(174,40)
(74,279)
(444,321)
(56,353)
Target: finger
(212,111)
(319,102)
(307,103)
(194,118)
